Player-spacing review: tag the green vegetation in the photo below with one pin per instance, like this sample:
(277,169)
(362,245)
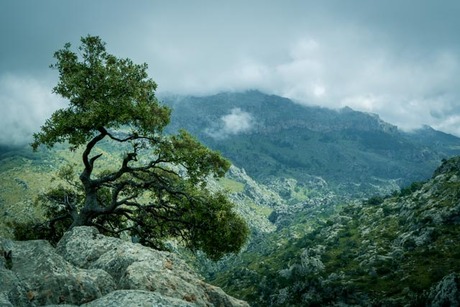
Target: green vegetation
(385,250)
(356,153)
(231,185)
(312,242)
(157,189)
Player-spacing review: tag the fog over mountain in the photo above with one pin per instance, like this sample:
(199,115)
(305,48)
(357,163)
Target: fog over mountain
(399,59)
(271,136)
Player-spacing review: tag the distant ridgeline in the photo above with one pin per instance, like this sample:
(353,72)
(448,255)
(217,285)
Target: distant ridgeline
(270,136)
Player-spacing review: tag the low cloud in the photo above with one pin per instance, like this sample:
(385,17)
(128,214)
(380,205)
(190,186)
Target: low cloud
(236,122)
(404,86)
(25,103)
(391,58)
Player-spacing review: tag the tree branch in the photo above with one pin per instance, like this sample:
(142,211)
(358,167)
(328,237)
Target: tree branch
(85,156)
(130,138)
(132,156)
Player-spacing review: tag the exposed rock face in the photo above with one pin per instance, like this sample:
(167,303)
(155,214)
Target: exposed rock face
(137,298)
(39,276)
(446,292)
(90,269)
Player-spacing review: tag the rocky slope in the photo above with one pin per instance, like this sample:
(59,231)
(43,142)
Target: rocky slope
(399,250)
(88,269)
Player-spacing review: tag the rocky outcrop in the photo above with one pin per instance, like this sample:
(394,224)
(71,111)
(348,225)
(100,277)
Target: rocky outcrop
(446,292)
(398,250)
(448,166)
(89,269)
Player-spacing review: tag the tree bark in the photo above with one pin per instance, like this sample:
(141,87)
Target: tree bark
(91,206)
(89,211)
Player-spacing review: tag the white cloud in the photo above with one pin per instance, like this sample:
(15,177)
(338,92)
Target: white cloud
(236,122)
(319,90)
(392,58)
(251,73)
(25,103)
(450,123)
(404,89)
(304,49)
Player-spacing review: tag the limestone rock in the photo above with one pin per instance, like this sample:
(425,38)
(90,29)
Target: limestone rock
(12,290)
(89,269)
(446,292)
(39,276)
(136,267)
(137,298)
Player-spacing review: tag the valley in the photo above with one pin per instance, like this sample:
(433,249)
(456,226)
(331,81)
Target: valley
(343,207)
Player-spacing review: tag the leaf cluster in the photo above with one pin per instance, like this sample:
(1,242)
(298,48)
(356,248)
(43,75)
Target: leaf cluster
(103,91)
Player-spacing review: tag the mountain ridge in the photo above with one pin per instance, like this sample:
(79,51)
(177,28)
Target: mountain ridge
(271,136)
(305,176)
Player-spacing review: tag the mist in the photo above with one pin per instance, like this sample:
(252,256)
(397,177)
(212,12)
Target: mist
(25,103)
(392,58)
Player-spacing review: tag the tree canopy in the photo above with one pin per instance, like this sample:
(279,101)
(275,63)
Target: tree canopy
(158,190)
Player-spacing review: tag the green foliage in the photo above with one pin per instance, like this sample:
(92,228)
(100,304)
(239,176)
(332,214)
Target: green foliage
(414,186)
(375,200)
(56,204)
(383,251)
(157,191)
(103,91)
(356,153)
(232,185)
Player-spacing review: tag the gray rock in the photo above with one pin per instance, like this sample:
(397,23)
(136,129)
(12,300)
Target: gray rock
(446,292)
(12,290)
(137,298)
(136,267)
(46,278)
(83,246)
(90,269)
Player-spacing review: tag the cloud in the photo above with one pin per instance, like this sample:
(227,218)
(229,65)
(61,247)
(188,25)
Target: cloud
(25,103)
(450,123)
(393,58)
(236,122)
(404,89)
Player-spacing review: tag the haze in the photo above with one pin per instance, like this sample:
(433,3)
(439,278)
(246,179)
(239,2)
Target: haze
(399,59)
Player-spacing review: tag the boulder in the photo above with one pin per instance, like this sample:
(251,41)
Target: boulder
(136,267)
(39,276)
(13,292)
(89,269)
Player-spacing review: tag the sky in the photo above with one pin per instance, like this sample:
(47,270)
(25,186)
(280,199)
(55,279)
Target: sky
(399,59)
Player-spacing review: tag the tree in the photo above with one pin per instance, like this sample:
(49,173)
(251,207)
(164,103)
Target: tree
(158,190)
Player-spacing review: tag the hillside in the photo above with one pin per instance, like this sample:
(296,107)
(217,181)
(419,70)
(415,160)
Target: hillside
(26,174)
(271,137)
(295,168)
(403,249)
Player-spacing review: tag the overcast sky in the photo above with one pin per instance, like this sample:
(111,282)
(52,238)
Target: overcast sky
(399,59)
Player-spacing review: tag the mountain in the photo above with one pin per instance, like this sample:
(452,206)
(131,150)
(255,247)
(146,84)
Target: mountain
(433,138)
(271,137)
(298,172)
(398,250)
